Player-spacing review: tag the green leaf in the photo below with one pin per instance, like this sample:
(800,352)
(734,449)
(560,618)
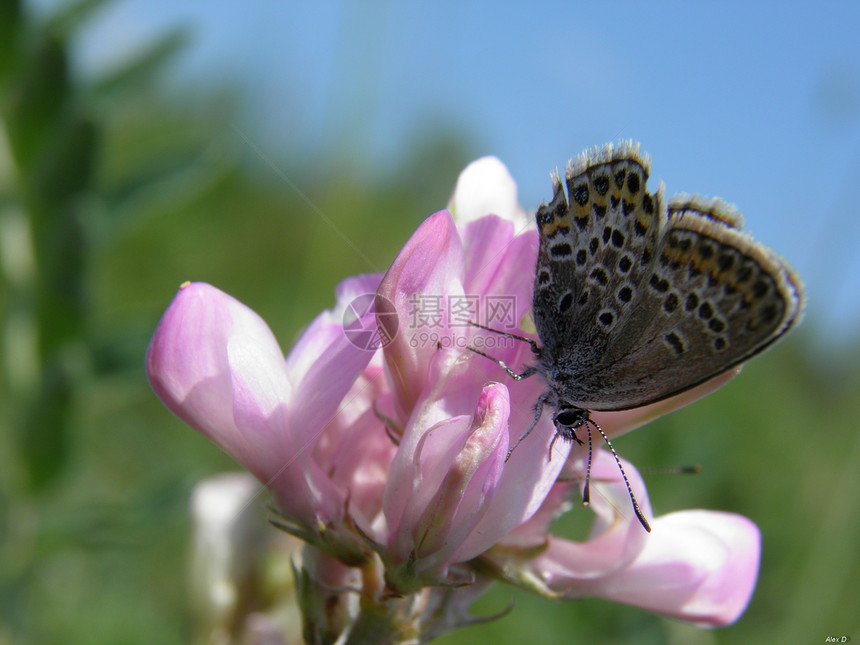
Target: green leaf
(66,163)
(10,16)
(36,101)
(44,435)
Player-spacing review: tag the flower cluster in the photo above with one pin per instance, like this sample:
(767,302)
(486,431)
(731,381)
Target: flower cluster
(389,459)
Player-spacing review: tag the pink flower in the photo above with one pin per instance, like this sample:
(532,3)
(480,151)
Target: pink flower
(217,366)
(395,457)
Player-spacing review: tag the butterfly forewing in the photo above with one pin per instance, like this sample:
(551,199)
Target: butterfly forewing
(594,250)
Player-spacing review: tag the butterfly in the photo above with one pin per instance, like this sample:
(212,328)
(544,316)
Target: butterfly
(638,299)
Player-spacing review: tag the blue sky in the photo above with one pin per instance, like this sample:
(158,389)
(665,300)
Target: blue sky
(758,103)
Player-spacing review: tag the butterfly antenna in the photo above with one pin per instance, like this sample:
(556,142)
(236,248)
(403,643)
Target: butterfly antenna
(639,514)
(586,489)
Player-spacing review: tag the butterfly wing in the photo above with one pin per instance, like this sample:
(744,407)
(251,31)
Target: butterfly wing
(674,294)
(593,251)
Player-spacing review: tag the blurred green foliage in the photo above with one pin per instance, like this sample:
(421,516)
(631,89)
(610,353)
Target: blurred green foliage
(114,191)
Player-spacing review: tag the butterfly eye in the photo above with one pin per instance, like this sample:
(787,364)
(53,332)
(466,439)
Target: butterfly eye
(572,418)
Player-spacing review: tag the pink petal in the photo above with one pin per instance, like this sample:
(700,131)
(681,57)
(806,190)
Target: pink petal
(361,464)
(188,364)
(320,394)
(327,326)
(442,479)
(431,266)
(445,407)
(533,532)
(617,536)
(530,473)
(697,566)
(500,268)
(217,366)
(300,487)
(479,466)
(415,476)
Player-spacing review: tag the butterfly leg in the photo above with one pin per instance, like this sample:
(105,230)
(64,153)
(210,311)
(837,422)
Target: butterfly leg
(523,339)
(530,371)
(541,402)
